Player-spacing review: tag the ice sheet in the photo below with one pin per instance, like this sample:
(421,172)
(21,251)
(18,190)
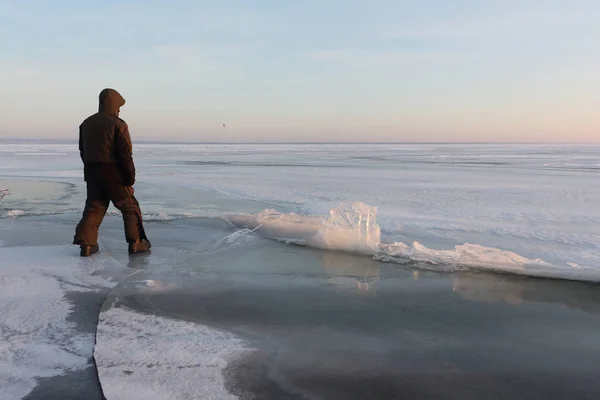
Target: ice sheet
(148,357)
(537,201)
(37,338)
(326,327)
(528,199)
(532,210)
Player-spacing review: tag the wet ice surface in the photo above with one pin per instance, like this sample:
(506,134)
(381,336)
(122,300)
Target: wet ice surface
(300,323)
(230,313)
(221,310)
(35,197)
(50,300)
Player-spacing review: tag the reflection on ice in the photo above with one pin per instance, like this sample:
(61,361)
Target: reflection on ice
(138,261)
(515,291)
(488,288)
(346,270)
(151,286)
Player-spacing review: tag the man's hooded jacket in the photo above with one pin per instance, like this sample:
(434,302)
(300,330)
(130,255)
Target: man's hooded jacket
(105,145)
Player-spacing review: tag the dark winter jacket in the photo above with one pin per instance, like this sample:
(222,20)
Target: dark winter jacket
(105,145)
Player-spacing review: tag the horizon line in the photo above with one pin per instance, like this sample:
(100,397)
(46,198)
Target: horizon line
(152,141)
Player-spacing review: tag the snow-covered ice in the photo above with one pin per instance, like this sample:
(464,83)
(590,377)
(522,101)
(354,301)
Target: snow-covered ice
(37,337)
(142,356)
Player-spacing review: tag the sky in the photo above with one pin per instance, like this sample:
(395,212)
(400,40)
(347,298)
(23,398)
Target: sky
(306,70)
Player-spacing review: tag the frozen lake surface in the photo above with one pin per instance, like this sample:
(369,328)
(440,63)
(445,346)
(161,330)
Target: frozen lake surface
(307,271)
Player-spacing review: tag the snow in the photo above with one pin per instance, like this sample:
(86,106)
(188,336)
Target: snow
(150,357)
(36,337)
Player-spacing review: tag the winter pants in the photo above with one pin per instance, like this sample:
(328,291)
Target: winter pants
(99,195)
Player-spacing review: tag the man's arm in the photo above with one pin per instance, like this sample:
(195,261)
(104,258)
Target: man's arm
(81,146)
(124,152)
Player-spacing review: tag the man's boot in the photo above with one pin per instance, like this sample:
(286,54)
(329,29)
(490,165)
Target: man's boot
(139,246)
(87,250)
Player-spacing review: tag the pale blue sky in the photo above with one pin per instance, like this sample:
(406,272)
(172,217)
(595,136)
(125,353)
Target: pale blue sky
(332,70)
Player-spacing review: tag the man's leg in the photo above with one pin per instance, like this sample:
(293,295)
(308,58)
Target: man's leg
(122,198)
(96,204)
(138,211)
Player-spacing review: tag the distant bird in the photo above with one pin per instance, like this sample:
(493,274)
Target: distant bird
(223,125)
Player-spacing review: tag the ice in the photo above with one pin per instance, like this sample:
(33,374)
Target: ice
(466,255)
(477,257)
(352,227)
(36,337)
(15,213)
(150,357)
(277,225)
(510,200)
(520,209)
(162,215)
(159,215)
(519,198)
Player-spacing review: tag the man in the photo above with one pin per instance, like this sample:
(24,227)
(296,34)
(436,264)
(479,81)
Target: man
(106,151)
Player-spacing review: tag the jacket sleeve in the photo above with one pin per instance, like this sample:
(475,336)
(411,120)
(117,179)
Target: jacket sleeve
(81,146)
(124,152)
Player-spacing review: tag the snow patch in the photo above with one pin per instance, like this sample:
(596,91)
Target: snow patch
(15,213)
(150,357)
(36,338)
